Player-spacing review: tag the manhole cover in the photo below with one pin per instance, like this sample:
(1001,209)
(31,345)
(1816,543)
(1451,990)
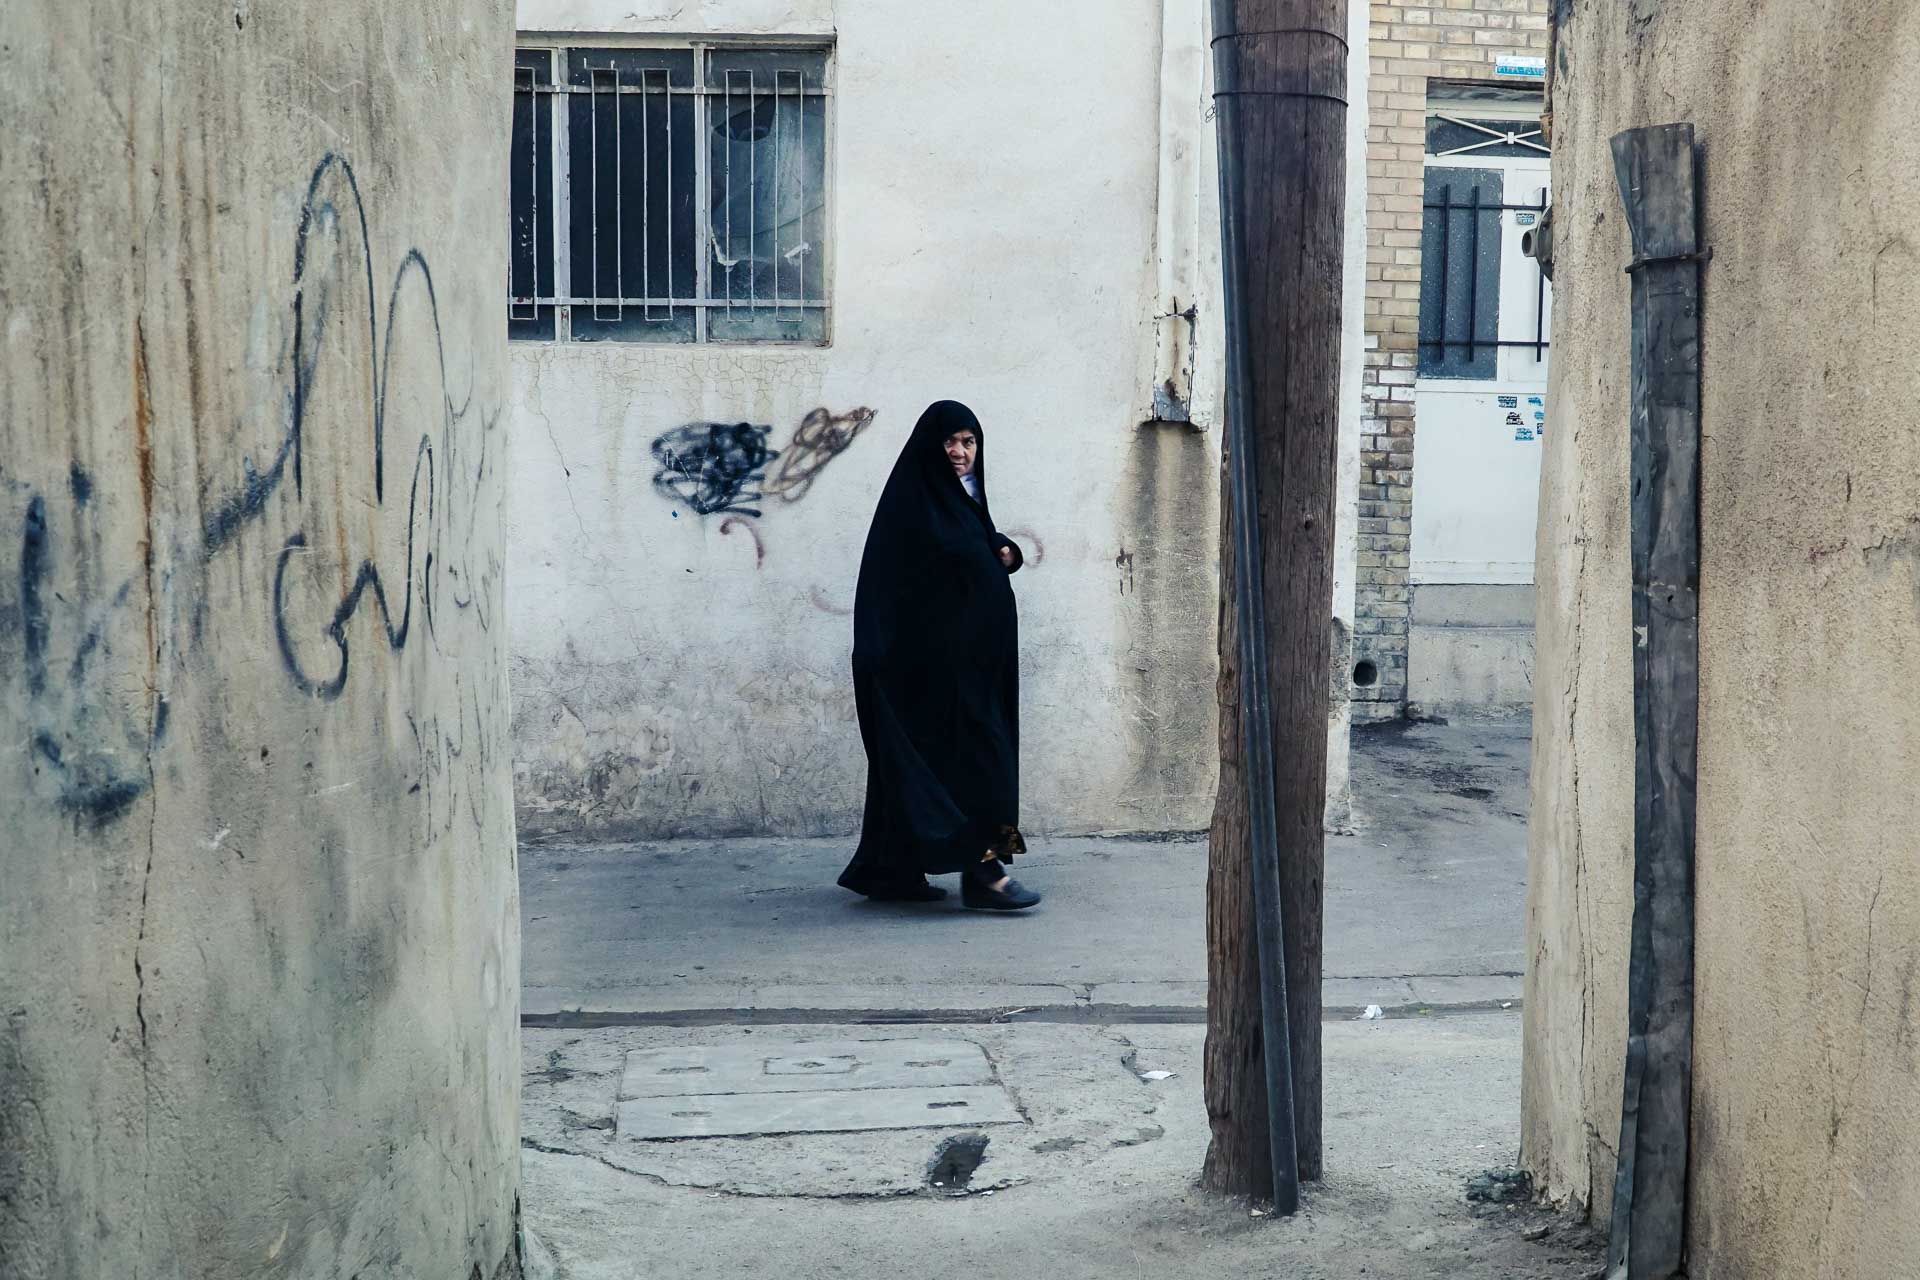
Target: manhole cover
(841,1086)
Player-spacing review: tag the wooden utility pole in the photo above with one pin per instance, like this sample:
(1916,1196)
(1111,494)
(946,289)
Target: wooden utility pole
(1281,71)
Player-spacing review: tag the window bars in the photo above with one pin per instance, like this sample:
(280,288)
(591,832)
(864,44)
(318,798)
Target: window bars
(1478,319)
(669,195)
(1483,137)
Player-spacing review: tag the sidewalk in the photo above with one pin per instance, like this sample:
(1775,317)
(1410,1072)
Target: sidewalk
(1424,909)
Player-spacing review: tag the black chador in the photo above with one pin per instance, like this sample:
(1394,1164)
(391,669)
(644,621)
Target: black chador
(936,675)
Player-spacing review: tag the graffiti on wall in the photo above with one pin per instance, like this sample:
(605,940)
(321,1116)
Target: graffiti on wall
(95,746)
(821,437)
(759,548)
(721,467)
(92,748)
(714,466)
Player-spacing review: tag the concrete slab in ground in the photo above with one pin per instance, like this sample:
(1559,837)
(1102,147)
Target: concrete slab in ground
(1428,888)
(1097,1181)
(764,1067)
(740,1089)
(722,1115)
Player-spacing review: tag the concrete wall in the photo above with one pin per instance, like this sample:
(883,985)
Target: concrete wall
(1021,200)
(1470,651)
(1346,493)
(259,932)
(1806,1142)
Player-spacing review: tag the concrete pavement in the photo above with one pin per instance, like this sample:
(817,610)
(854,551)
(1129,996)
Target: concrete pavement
(739,969)
(1424,909)
(1096,1183)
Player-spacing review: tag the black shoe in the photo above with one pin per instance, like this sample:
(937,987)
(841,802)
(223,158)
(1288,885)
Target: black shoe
(894,888)
(1012,896)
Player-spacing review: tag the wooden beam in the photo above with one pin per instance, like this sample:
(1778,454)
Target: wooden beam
(1658,178)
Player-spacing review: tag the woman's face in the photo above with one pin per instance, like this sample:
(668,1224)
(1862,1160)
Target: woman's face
(962,448)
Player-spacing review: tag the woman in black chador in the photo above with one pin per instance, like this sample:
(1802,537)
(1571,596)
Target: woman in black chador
(936,678)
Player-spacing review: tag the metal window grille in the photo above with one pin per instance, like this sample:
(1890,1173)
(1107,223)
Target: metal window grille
(1461,249)
(1460,286)
(669,194)
(1449,135)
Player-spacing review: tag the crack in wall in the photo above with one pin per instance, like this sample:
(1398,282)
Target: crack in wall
(143,445)
(1583,905)
(537,403)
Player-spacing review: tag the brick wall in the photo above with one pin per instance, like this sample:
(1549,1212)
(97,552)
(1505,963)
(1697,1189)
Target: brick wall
(1408,44)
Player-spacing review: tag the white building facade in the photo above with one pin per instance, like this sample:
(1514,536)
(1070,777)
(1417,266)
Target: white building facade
(753,239)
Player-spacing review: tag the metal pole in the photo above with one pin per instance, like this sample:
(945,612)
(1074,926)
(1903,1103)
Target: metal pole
(1249,589)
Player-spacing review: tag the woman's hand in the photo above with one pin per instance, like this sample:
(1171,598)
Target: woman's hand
(1006,556)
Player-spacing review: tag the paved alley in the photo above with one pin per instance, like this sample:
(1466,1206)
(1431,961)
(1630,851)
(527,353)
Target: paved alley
(1082,1026)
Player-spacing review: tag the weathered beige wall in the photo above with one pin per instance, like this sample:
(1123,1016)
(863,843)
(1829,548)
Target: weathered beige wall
(258,930)
(1806,1137)
(677,674)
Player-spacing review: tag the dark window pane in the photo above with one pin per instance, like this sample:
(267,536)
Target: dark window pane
(530,166)
(1460,274)
(767,171)
(1486,138)
(632,244)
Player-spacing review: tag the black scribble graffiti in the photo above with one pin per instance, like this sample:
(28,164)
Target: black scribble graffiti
(820,438)
(714,466)
(1124,563)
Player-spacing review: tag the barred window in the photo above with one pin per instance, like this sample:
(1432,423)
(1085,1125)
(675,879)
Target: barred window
(671,194)
(1483,302)
(1460,263)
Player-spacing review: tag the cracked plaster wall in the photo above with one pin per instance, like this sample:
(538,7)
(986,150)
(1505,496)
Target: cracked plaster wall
(259,947)
(1806,1053)
(679,674)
